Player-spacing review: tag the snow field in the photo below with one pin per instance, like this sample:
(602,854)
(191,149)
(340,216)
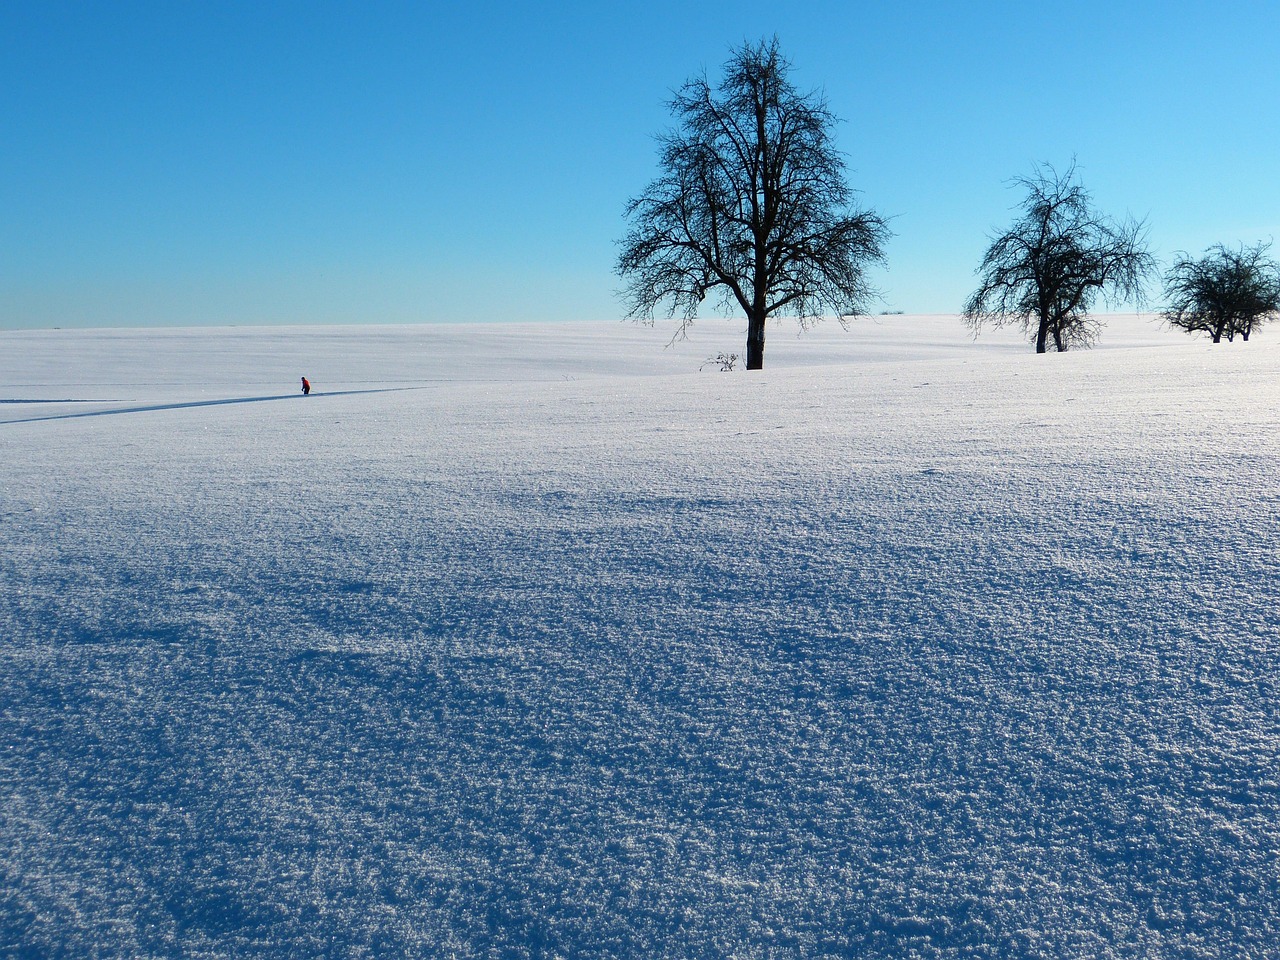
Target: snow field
(537,641)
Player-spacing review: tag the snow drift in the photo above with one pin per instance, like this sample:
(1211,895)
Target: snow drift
(538,641)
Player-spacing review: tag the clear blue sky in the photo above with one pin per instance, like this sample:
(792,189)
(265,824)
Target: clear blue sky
(266,162)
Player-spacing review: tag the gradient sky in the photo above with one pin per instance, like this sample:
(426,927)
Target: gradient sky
(269,162)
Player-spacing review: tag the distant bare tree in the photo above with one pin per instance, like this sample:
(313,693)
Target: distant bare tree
(752,203)
(1046,270)
(1223,292)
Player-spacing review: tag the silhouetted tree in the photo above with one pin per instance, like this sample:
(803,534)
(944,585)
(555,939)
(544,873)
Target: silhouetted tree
(1046,270)
(1223,292)
(751,203)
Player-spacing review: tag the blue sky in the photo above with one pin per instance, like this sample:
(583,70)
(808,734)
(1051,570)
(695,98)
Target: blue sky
(313,162)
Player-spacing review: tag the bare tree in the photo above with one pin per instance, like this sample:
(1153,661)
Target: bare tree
(1224,292)
(751,203)
(1046,271)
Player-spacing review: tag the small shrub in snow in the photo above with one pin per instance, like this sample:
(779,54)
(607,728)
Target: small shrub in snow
(724,361)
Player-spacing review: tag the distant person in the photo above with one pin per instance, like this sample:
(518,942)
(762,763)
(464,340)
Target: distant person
(306,386)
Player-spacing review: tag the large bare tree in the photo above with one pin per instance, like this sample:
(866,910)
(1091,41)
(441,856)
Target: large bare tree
(752,204)
(1046,271)
(1223,292)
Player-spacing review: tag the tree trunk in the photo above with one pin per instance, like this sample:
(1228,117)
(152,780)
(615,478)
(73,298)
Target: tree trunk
(1042,336)
(755,341)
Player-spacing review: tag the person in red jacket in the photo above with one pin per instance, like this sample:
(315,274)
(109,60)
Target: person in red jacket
(306,386)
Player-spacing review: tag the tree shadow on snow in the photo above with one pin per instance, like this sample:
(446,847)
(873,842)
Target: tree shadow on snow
(151,408)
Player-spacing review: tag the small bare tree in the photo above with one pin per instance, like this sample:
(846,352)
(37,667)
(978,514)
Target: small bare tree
(751,203)
(1223,292)
(1047,269)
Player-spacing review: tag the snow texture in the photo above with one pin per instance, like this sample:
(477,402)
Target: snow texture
(539,641)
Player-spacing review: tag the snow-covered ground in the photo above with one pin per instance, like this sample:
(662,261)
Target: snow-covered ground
(539,641)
